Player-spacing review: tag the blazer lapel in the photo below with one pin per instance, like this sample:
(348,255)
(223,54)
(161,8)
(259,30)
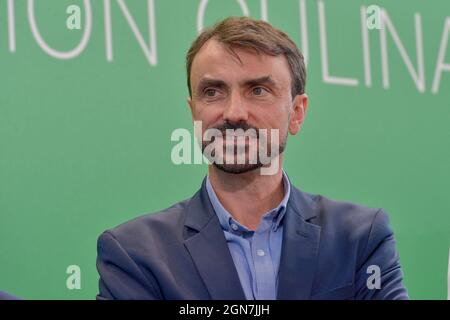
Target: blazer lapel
(300,247)
(209,250)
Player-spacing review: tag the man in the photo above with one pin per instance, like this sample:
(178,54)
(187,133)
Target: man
(246,234)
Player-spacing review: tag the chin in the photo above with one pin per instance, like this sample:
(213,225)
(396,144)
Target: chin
(237,168)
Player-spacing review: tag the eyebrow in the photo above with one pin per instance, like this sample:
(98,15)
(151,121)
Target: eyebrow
(217,83)
(209,82)
(264,80)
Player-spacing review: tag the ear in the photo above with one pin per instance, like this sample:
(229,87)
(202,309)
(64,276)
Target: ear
(191,106)
(189,102)
(298,113)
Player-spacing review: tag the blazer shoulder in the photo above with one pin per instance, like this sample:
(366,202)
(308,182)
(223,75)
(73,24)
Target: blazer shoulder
(346,211)
(154,227)
(350,225)
(351,220)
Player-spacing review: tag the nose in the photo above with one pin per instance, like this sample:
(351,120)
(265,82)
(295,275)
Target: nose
(236,110)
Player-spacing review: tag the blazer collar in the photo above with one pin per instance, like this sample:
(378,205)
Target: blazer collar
(209,250)
(300,248)
(210,253)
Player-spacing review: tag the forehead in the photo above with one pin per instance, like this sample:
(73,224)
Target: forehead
(215,60)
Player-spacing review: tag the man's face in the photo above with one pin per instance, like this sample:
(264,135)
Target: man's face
(252,92)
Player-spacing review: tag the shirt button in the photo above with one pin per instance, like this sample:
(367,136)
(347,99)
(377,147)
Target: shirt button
(234,227)
(260,252)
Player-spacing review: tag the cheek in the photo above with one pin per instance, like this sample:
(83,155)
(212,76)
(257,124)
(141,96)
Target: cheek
(284,123)
(276,118)
(208,116)
(199,111)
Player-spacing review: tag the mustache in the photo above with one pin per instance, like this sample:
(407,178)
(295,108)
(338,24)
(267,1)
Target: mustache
(235,126)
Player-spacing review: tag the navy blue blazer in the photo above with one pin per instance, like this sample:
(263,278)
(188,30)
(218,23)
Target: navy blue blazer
(328,250)
(7,296)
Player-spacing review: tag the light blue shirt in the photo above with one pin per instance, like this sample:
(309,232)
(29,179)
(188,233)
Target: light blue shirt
(256,254)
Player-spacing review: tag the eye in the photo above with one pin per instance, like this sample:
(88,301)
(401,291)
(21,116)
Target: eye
(210,92)
(259,91)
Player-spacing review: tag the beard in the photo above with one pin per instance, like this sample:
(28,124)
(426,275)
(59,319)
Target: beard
(242,151)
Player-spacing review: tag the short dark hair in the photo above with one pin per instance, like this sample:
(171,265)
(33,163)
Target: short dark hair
(256,35)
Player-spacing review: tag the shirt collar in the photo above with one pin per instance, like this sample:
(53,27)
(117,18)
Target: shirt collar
(226,220)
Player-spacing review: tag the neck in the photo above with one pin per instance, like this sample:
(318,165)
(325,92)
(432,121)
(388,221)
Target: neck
(247,196)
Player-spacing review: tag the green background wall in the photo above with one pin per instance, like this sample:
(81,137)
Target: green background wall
(85,142)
